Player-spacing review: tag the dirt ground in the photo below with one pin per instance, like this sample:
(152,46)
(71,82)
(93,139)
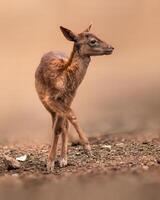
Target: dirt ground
(121,164)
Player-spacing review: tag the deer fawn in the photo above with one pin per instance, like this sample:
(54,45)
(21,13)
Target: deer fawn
(57,79)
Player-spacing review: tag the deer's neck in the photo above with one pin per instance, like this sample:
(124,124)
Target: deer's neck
(77,66)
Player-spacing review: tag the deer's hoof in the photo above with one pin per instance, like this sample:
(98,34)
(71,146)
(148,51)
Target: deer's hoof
(62,162)
(50,166)
(89,153)
(87,149)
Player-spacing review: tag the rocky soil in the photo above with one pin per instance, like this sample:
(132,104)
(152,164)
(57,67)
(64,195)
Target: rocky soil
(112,154)
(123,167)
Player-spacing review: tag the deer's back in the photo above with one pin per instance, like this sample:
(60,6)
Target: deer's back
(50,69)
(51,78)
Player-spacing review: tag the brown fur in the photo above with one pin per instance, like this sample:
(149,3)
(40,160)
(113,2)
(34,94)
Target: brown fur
(57,79)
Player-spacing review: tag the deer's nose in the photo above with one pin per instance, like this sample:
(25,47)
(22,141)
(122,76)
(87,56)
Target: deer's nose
(110,47)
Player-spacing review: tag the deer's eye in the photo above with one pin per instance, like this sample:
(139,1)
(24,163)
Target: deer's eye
(93,42)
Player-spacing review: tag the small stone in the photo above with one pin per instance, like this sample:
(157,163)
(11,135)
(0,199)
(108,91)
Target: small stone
(145,167)
(145,142)
(120,144)
(104,146)
(22,158)
(78,153)
(43,159)
(11,163)
(15,175)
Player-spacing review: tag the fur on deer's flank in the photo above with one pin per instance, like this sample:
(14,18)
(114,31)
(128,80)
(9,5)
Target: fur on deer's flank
(57,79)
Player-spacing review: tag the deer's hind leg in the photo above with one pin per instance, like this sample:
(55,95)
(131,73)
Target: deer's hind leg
(53,150)
(83,138)
(63,159)
(65,111)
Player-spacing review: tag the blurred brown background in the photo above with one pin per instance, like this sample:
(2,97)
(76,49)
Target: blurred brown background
(120,92)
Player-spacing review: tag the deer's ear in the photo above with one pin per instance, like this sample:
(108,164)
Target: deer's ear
(68,34)
(88,29)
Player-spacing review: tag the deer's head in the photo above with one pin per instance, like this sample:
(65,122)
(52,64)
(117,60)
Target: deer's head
(87,43)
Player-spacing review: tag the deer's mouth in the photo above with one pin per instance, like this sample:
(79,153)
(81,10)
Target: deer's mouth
(108,51)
